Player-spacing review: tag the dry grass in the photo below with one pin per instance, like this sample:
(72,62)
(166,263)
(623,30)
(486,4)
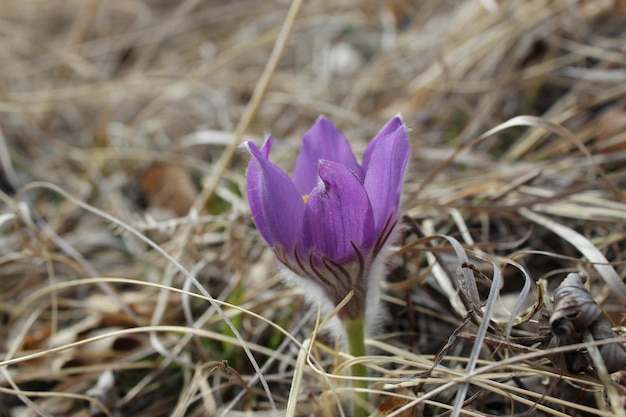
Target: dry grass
(127,252)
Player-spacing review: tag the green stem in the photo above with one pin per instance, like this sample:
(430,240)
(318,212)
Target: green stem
(356,346)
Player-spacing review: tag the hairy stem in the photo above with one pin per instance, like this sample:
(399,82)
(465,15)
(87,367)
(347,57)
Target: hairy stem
(356,346)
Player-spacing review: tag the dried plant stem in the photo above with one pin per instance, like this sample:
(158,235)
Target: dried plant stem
(609,386)
(356,345)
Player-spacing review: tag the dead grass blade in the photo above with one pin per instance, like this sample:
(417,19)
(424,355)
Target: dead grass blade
(173,261)
(585,247)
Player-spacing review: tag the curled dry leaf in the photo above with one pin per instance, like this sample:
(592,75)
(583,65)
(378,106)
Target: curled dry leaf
(574,309)
(575,312)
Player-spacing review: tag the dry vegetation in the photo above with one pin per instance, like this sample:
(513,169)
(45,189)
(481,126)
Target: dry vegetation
(127,251)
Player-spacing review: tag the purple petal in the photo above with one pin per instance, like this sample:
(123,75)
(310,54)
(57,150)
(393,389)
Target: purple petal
(338,214)
(277,207)
(384,163)
(322,141)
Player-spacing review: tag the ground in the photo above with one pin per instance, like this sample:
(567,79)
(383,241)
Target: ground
(133,281)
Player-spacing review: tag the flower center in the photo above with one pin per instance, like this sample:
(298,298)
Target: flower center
(305,198)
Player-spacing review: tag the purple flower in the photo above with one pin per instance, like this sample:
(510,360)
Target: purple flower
(329,223)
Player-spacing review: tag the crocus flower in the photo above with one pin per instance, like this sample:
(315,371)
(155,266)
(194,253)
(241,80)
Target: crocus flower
(329,223)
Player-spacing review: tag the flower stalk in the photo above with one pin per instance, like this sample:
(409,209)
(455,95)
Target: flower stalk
(355,334)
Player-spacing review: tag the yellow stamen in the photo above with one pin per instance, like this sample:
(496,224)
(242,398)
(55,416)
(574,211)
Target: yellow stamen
(305,198)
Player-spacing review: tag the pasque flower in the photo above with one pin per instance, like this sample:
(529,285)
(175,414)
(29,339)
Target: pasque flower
(330,221)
